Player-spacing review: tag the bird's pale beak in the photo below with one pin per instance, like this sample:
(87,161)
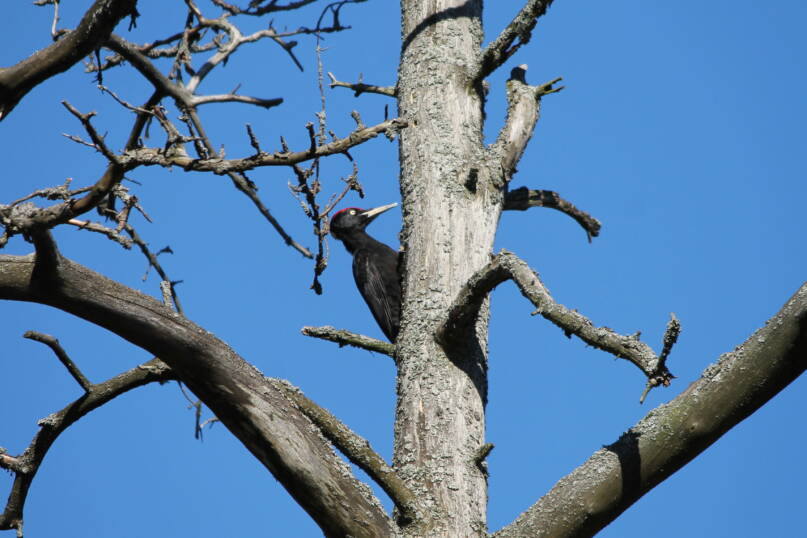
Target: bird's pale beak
(370,214)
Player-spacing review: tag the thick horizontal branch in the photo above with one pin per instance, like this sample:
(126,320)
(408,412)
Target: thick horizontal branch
(93,29)
(671,435)
(523,110)
(347,338)
(358,450)
(520,28)
(27,464)
(157,156)
(251,406)
(360,87)
(522,198)
(508,266)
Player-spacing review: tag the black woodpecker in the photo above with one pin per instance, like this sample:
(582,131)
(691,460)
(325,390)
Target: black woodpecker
(375,266)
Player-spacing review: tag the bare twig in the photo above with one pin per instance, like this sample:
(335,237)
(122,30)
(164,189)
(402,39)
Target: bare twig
(53,193)
(54,33)
(151,50)
(101,229)
(507,266)
(246,187)
(60,353)
(522,198)
(360,87)
(234,98)
(256,9)
(97,139)
(347,338)
(196,405)
(189,44)
(153,262)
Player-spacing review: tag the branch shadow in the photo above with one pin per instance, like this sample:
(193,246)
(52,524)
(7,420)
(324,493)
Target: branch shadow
(463,10)
(626,449)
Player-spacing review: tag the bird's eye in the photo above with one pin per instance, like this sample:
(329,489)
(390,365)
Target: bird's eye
(352,211)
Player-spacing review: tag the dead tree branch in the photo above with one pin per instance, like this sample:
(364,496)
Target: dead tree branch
(155,156)
(523,110)
(184,99)
(508,266)
(347,338)
(673,434)
(251,406)
(154,262)
(152,51)
(256,9)
(360,87)
(22,218)
(235,98)
(26,465)
(61,354)
(505,45)
(94,28)
(670,338)
(359,452)
(98,141)
(522,198)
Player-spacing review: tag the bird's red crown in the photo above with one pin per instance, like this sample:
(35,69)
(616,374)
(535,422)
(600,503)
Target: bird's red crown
(358,210)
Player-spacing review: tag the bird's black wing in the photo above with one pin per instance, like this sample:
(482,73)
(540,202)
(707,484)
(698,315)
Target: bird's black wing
(377,279)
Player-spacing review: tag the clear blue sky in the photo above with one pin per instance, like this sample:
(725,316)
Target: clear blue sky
(682,128)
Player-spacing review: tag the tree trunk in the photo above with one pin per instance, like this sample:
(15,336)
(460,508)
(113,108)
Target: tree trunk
(450,214)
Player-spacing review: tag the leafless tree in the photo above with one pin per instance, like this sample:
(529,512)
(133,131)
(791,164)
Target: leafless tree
(453,187)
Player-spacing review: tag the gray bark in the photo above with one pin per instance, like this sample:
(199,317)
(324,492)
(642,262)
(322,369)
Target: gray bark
(254,408)
(450,213)
(671,435)
(453,190)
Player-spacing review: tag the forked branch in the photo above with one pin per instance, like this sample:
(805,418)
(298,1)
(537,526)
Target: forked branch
(26,465)
(251,406)
(508,266)
(667,438)
(359,452)
(523,110)
(25,218)
(95,26)
(516,34)
(156,156)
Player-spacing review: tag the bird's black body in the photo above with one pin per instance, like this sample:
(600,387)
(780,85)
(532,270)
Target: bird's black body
(375,266)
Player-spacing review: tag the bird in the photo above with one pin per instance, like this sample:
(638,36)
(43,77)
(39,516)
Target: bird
(375,266)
